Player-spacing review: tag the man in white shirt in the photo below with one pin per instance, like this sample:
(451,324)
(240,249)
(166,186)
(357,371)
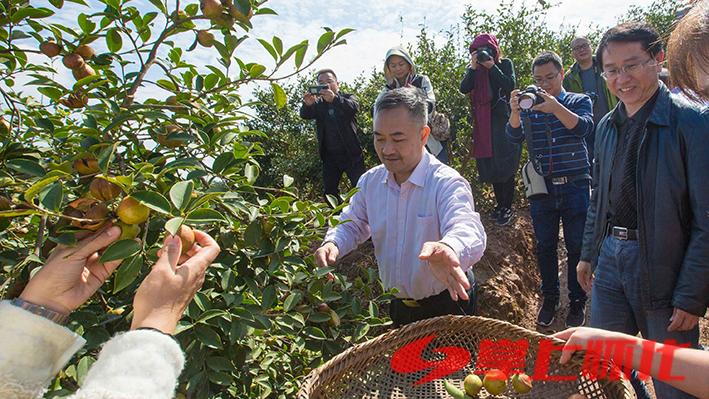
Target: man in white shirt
(419,214)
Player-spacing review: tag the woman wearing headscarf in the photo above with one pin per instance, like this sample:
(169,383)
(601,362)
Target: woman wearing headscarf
(400,71)
(488,81)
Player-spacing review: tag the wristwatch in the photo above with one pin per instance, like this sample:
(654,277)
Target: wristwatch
(59,318)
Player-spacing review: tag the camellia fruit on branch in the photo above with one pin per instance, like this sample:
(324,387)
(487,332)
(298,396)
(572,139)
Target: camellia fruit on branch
(131,211)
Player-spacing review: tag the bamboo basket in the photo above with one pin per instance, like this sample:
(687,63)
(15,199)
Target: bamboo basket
(364,371)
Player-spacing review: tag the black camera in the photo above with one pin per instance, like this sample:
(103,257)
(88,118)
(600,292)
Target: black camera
(316,89)
(529,97)
(484,54)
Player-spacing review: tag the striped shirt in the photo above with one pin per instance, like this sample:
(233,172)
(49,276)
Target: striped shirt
(567,154)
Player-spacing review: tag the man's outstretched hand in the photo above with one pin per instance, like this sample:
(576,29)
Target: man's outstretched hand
(445,265)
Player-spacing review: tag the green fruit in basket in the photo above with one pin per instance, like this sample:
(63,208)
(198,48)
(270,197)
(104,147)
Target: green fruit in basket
(472,384)
(454,391)
(495,382)
(521,383)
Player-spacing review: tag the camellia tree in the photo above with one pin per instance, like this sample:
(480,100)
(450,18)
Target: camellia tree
(73,158)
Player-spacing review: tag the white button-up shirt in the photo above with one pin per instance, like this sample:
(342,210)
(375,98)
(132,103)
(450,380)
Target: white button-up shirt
(434,204)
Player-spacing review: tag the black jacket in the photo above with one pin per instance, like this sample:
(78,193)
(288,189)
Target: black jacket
(346,107)
(673,202)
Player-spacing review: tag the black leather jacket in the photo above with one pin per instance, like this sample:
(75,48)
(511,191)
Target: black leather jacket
(673,202)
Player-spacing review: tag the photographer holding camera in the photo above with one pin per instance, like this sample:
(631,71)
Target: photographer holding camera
(488,81)
(555,123)
(336,128)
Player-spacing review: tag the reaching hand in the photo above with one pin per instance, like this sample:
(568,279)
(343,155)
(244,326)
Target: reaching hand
(326,256)
(170,286)
(577,338)
(445,266)
(72,274)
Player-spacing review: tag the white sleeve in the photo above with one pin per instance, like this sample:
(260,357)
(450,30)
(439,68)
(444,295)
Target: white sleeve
(32,351)
(136,364)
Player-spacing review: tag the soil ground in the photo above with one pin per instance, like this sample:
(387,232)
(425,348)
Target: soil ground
(507,276)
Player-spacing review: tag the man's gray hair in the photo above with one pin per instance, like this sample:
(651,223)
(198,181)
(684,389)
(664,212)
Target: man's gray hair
(411,98)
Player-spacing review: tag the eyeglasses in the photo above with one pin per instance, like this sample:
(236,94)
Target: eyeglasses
(626,69)
(580,47)
(540,81)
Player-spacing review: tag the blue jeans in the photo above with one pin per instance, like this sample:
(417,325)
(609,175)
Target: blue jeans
(568,203)
(618,305)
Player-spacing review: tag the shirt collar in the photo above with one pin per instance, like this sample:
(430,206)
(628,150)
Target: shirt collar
(418,176)
(562,95)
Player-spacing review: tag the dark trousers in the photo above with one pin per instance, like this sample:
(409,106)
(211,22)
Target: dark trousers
(332,172)
(568,203)
(505,192)
(618,304)
(436,305)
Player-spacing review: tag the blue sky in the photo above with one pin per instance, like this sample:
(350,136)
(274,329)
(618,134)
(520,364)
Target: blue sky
(379,25)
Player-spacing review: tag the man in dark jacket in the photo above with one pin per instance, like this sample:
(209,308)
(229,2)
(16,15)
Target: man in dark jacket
(336,128)
(584,76)
(646,243)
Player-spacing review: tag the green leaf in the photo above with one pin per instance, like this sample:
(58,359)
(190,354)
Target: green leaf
(269,297)
(180,194)
(343,32)
(26,166)
(52,197)
(300,54)
(57,3)
(315,333)
(252,235)
(159,5)
(287,181)
(114,41)
(256,70)
(85,23)
(153,200)
(31,12)
(251,173)
(292,301)
(39,186)
(120,250)
(325,40)
(173,225)
(106,157)
(127,273)
(278,44)
(360,331)
(279,95)
(204,215)
(269,48)
(220,364)
(52,92)
(208,336)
